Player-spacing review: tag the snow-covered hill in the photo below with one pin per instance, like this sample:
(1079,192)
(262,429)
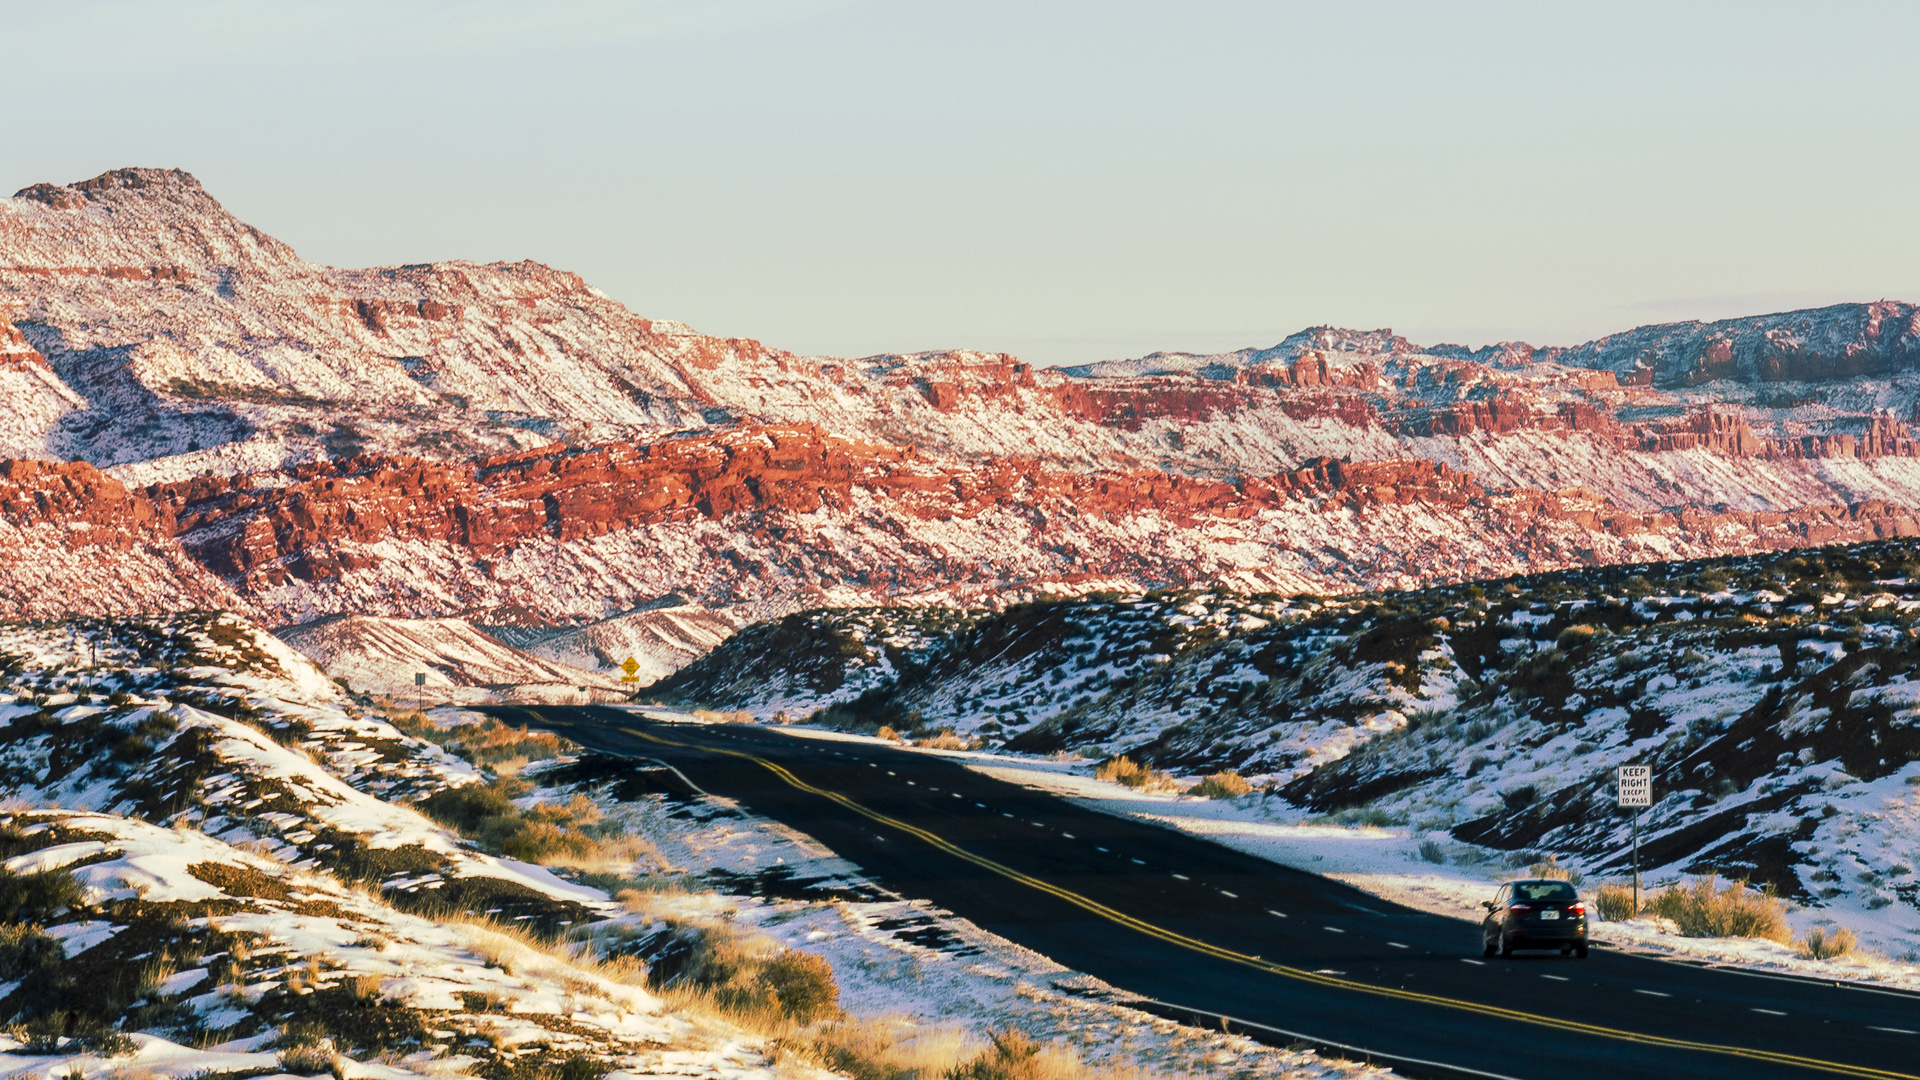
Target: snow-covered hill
(1771,695)
(377,655)
(659,640)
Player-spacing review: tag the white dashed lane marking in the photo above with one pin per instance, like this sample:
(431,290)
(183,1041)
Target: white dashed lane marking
(1140,862)
(1397,945)
(1556,978)
(1475,963)
(1235,895)
(1069,835)
(1870,1027)
(1183,877)
(1276,914)
(1774,1012)
(1652,993)
(1333,929)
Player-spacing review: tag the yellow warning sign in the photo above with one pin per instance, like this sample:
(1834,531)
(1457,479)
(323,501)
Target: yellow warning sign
(629,666)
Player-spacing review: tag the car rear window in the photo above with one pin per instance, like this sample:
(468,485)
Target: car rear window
(1543,890)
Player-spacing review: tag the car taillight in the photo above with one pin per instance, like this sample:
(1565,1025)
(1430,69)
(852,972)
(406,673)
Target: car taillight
(1520,908)
(1576,909)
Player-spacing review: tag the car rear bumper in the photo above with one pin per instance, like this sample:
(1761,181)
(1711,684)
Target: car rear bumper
(1547,932)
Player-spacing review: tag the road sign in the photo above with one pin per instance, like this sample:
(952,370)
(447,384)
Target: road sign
(629,665)
(419,678)
(1636,785)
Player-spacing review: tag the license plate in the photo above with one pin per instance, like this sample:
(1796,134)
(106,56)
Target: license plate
(1549,915)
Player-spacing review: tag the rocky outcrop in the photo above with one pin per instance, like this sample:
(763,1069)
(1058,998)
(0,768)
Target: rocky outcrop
(97,509)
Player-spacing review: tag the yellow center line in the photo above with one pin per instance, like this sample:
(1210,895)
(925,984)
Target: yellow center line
(1208,949)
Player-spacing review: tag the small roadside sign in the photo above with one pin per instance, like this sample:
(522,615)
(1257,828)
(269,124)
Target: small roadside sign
(629,665)
(419,678)
(1636,785)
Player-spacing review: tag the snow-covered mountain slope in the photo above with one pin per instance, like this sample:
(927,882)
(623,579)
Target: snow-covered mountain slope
(659,640)
(378,655)
(1770,694)
(502,443)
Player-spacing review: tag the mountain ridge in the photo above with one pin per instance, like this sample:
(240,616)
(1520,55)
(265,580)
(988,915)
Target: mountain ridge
(191,404)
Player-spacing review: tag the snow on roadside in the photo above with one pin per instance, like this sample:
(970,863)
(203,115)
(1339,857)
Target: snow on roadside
(267,941)
(1388,862)
(895,957)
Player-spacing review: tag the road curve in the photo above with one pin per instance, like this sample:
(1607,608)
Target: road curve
(1204,928)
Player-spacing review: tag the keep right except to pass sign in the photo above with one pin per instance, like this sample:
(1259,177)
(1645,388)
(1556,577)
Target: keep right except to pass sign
(1636,785)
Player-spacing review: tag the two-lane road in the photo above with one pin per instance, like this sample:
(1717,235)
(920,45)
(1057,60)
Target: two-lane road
(1183,921)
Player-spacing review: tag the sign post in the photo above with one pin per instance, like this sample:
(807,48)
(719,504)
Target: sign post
(1636,791)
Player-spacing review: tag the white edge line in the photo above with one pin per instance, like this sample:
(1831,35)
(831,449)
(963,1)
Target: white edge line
(683,777)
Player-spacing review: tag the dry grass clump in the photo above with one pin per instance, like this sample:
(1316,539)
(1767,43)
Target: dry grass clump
(1822,944)
(569,833)
(1705,910)
(1551,869)
(1013,1055)
(1614,902)
(1124,770)
(872,1050)
(752,982)
(944,739)
(889,734)
(512,948)
(38,897)
(306,1049)
(1225,784)
(897,1050)
(711,717)
(502,747)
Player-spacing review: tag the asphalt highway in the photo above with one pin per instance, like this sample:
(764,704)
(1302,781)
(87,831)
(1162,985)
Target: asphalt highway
(1281,953)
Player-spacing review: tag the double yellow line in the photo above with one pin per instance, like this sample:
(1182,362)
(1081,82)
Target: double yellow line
(1330,982)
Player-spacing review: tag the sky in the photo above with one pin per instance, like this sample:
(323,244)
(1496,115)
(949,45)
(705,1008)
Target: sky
(1068,182)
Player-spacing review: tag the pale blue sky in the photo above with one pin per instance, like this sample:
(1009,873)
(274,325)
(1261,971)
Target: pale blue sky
(1066,181)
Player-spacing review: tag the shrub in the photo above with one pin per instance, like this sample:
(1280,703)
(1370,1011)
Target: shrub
(25,950)
(35,898)
(1550,867)
(869,1050)
(802,986)
(549,833)
(749,981)
(1705,910)
(1013,1055)
(1519,798)
(944,739)
(502,746)
(1124,770)
(577,1067)
(309,1060)
(1225,784)
(1822,944)
(1574,636)
(1614,902)
(1432,852)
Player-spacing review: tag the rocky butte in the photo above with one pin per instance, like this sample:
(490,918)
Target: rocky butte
(195,415)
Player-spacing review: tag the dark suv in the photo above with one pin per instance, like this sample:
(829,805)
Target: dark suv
(1535,914)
